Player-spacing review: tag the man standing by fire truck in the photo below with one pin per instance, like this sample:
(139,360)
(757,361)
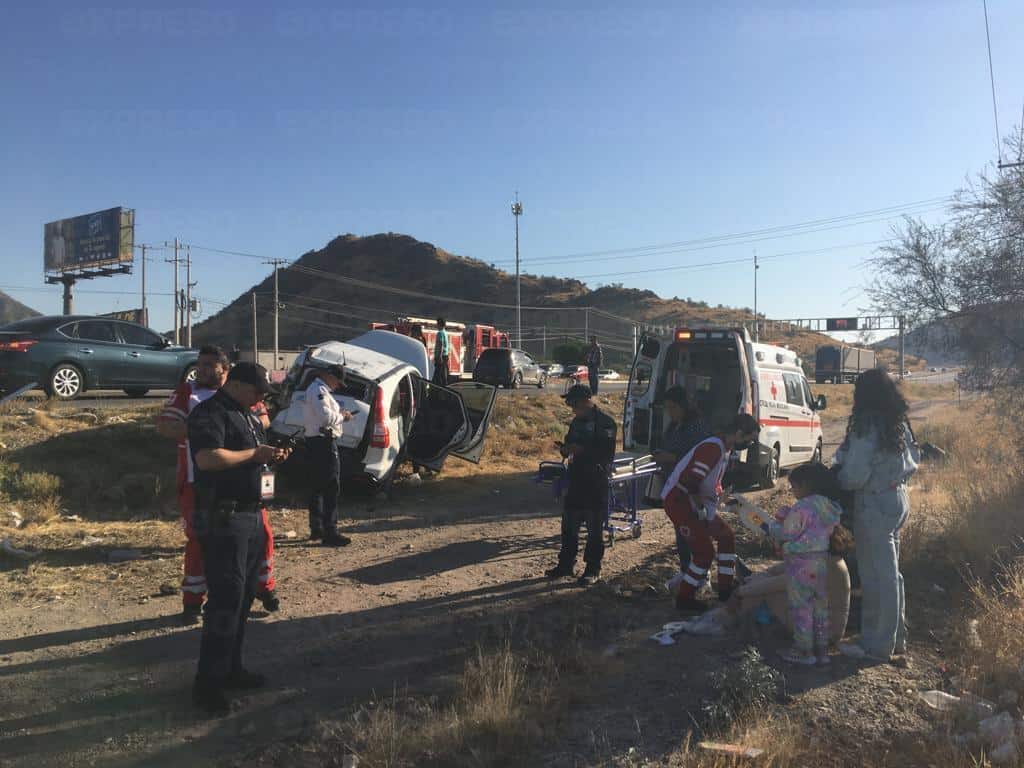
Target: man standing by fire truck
(211,373)
(593,360)
(442,348)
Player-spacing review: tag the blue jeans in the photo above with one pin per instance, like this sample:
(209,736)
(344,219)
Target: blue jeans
(877,521)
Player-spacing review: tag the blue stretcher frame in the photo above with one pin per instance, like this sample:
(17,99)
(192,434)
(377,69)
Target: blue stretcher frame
(626,481)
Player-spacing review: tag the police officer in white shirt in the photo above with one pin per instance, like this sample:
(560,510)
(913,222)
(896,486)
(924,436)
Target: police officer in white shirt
(323,424)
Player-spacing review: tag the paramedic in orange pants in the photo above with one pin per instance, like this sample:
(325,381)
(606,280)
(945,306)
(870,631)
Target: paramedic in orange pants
(691,496)
(211,372)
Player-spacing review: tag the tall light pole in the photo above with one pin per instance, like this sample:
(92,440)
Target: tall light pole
(517,211)
(757,335)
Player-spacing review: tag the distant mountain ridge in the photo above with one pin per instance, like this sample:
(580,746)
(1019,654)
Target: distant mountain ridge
(12,310)
(318,303)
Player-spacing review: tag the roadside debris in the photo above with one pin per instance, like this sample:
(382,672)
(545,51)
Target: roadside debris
(168,589)
(732,750)
(16,519)
(88,541)
(12,551)
(940,700)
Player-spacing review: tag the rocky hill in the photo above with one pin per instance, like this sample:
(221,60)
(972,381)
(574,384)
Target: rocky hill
(322,298)
(12,310)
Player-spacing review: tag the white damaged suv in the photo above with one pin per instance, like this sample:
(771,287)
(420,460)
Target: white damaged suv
(398,414)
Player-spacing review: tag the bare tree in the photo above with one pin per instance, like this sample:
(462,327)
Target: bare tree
(962,282)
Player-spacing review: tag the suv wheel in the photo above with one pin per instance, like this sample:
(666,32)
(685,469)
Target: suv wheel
(517,380)
(66,382)
(542,381)
(770,472)
(190,373)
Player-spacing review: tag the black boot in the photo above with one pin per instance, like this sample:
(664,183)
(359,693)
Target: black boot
(244,680)
(335,539)
(210,698)
(271,603)
(590,577)
(191,615)
(559,572)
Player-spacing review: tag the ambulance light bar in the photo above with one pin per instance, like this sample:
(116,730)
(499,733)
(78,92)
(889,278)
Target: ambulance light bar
(682,335)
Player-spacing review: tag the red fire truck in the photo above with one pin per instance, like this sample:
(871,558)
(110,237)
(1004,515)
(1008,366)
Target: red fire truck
(466,342)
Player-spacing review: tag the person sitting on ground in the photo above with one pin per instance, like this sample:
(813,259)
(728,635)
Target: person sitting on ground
(804,531)
(768,588)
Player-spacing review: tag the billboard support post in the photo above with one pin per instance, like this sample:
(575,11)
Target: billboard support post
(69,300)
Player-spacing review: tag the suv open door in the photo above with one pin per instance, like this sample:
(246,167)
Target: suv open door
(479,402)
(449,420)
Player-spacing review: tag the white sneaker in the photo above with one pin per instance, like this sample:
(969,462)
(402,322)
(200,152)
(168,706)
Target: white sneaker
(672,585)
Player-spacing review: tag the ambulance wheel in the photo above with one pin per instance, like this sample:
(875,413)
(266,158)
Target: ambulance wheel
(637,530)
(770,472)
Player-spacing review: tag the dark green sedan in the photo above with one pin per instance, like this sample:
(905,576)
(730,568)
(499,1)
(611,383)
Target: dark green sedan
(69,354)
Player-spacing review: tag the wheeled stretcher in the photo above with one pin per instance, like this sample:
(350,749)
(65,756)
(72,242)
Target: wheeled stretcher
(627,479)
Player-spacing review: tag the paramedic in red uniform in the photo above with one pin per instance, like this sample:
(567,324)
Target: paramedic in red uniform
(691,496)
(211,372)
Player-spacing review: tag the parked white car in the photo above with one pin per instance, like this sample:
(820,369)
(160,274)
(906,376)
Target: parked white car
(398,414)
(607,374)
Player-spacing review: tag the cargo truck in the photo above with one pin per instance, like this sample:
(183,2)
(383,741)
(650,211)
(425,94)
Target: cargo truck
(841,364)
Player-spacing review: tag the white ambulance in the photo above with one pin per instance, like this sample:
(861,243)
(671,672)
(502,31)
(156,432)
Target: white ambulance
(725,373)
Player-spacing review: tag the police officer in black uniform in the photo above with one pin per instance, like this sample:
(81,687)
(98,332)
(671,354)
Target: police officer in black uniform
(590,448)
(233,479)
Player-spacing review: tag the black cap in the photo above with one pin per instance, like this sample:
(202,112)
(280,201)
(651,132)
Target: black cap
(250,373)
(577,394)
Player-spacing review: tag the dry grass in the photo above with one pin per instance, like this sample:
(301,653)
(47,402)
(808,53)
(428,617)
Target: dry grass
(495,718)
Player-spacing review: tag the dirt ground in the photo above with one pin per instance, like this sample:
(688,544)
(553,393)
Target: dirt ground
(96,670)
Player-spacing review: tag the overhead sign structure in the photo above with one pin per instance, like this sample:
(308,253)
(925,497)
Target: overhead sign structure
(99,239)
(841,324)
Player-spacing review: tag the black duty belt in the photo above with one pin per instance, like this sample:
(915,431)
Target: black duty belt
(239,507)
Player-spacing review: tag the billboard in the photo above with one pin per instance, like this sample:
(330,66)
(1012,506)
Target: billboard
(131,315)
(93,240)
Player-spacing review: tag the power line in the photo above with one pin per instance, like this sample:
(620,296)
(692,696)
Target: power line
(809,227)
(725,262)
(992,81)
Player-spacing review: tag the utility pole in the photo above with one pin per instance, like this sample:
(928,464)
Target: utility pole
(586,325)
(177,322)
(757,334)
(517,211)
(636,331)
(277,304)
(902,321)
(188,296)
(255,344)
(145,316)
(544,342)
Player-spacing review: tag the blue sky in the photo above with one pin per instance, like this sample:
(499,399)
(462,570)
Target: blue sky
(271,130)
